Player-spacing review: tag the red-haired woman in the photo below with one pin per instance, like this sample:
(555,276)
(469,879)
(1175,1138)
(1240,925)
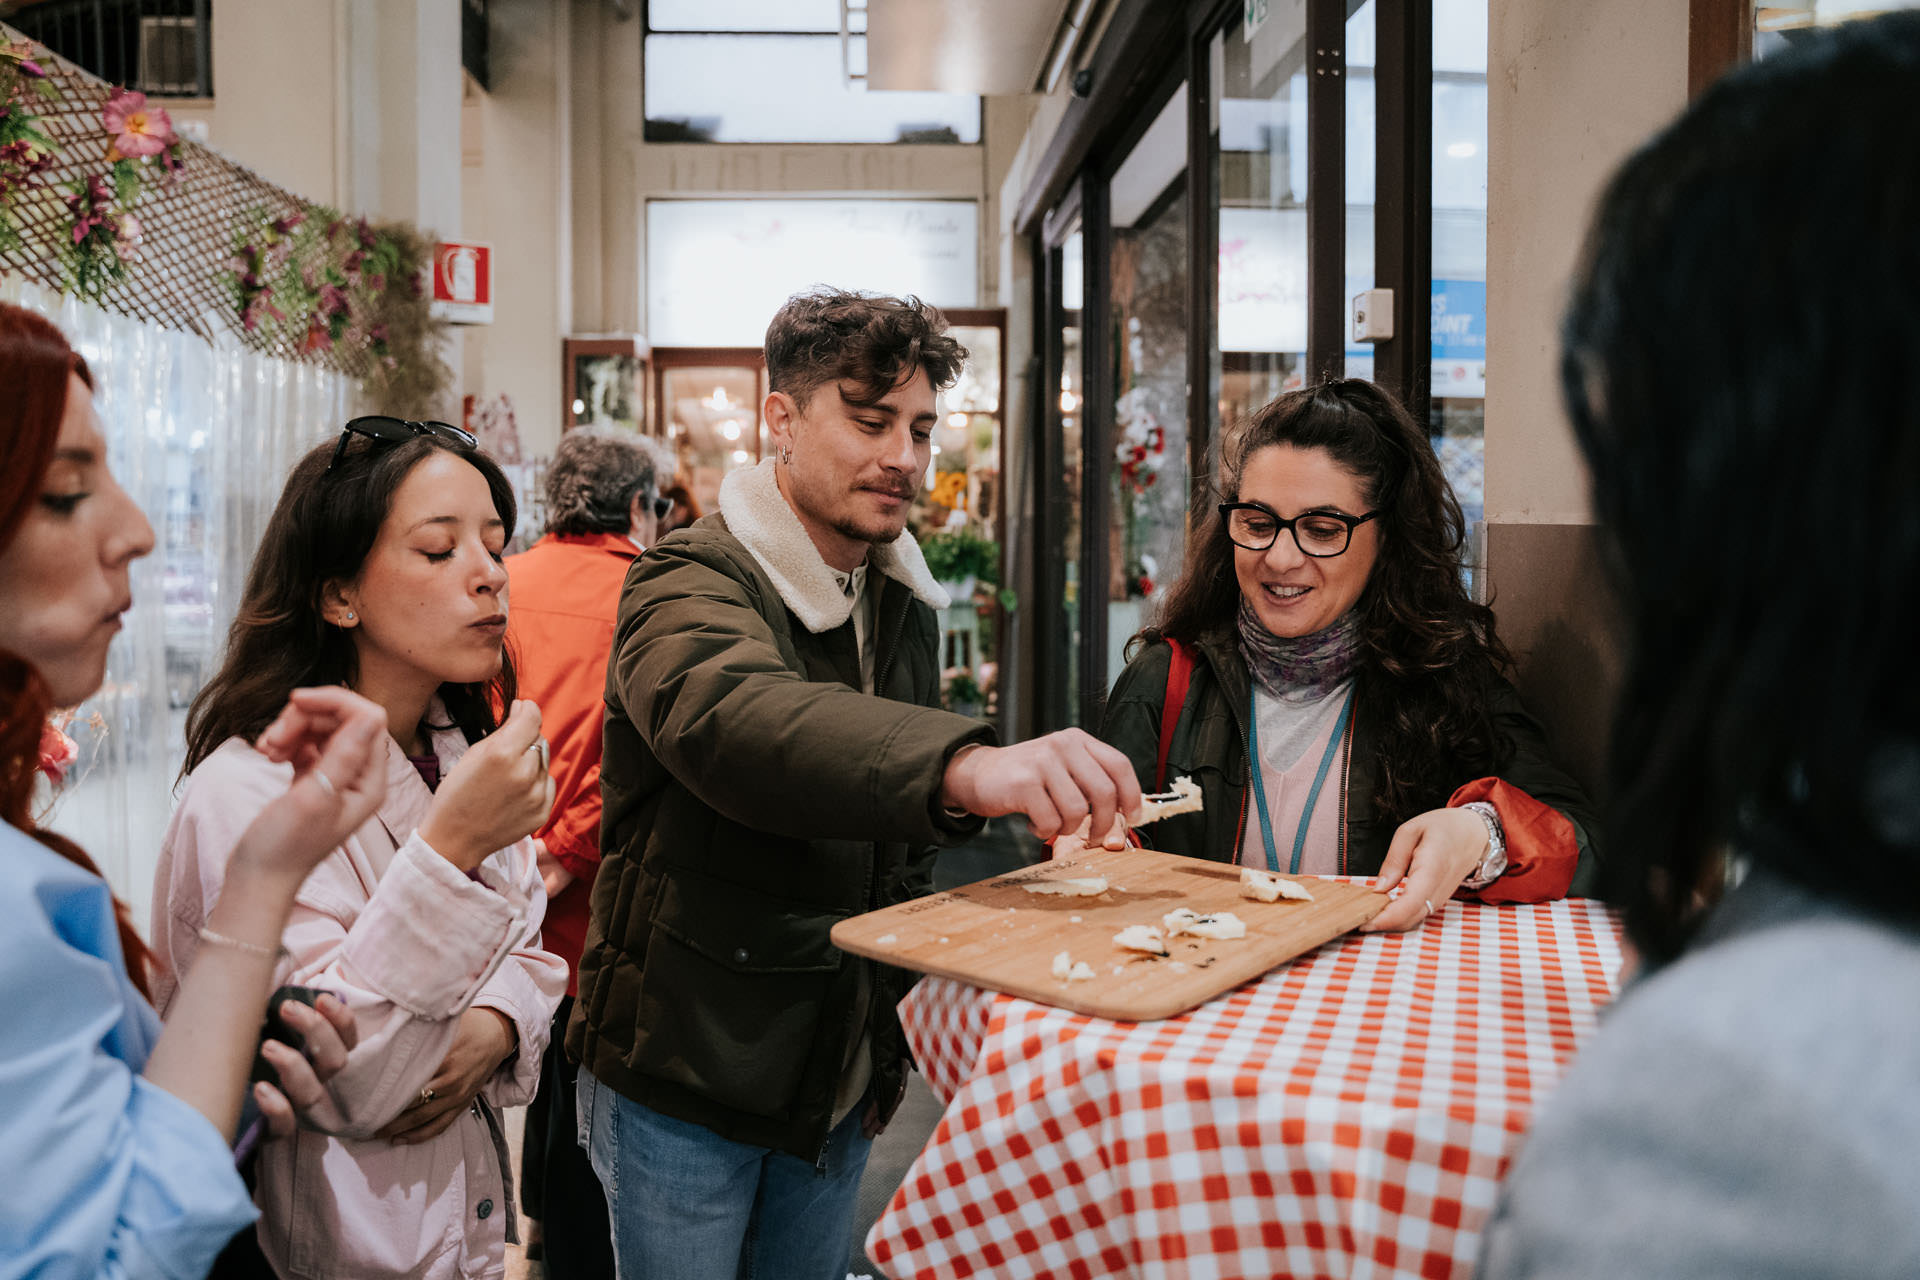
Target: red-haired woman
(114,1132)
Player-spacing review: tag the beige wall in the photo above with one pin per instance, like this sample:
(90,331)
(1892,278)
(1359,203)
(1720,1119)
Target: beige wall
(1571,89)
(605,100)
(516,184)
(281,117)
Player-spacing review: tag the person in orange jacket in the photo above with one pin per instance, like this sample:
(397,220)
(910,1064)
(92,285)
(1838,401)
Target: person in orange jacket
(603,504)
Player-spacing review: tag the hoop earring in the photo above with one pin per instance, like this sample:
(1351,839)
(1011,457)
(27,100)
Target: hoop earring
(784,455)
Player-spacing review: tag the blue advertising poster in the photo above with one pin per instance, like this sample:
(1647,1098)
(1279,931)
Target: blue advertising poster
(1460,320)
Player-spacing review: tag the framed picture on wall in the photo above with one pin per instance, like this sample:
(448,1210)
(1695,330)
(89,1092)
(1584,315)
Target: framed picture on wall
(606,382)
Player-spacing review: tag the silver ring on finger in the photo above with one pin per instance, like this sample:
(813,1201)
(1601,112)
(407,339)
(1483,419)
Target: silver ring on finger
(1429,902)
(426,1094)
(326,784)
(540,746)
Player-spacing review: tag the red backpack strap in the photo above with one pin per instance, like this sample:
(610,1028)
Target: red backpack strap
(1179,675)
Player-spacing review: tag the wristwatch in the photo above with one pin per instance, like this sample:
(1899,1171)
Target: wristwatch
(1493,863)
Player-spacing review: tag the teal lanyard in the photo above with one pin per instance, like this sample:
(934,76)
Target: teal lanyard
(1255,767)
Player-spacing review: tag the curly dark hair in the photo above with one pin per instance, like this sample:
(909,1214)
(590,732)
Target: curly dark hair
(870,340)
(1429,654)
(593,479)
(321,531)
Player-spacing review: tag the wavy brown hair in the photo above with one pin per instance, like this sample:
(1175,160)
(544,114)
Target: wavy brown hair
(873,341)
(35,363)
(321,531)
(1428,653)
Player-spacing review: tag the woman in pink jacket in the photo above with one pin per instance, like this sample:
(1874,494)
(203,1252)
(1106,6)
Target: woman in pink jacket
(380,570)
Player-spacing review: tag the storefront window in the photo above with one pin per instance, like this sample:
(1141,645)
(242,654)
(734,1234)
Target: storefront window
(1147,529)
(713,424)
(1780,24)
(717,270)
(781,71)
(1260,153)
(963,484)
(957,519)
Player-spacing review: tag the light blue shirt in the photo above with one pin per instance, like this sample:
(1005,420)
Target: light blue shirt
(101,1173)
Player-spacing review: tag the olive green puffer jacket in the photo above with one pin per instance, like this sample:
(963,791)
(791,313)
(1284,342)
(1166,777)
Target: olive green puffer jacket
(753,797)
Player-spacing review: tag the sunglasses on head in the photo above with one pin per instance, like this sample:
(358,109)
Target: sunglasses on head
(399,431)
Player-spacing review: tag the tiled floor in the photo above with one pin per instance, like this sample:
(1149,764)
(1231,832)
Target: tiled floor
(1002,847)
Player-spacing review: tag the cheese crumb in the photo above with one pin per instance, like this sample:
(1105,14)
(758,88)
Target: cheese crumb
(1082,887)
(1264,886)
(1067,969)
(1221,926)
(1141,937)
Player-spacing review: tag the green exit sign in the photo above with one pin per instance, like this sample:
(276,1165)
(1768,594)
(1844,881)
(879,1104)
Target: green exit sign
(1253,13)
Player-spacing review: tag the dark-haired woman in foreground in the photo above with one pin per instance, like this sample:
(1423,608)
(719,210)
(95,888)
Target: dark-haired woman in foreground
(114,1132)
(1322,629)
(380,569)
(1738,365)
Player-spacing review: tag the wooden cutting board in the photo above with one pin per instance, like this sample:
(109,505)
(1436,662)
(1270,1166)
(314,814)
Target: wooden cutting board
(997,935)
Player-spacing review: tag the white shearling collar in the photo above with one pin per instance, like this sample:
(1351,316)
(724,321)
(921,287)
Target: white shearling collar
(758,515)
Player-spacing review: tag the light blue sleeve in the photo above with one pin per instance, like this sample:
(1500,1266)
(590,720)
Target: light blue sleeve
(105,1174)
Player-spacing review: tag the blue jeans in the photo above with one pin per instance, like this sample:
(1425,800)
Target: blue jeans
(687,1204)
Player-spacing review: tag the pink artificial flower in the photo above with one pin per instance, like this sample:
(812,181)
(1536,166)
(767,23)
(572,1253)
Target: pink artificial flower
(138,129)
(58,753)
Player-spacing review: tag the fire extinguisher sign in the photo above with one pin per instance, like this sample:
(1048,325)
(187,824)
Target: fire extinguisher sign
(463,282)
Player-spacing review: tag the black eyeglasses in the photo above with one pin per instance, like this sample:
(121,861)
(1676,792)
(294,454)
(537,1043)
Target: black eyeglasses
(1317,533)
(399,431)
(662,506)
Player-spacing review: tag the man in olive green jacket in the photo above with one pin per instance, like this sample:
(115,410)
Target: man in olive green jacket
(775,762)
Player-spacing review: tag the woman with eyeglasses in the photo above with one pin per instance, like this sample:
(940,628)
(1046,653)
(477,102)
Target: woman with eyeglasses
(380,570)
(1321,629)
(114,1131)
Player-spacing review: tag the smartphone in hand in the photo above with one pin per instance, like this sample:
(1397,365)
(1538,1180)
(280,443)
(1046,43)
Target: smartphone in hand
(277,1028)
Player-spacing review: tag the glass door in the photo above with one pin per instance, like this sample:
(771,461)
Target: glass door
(1144,457)
(1259,130)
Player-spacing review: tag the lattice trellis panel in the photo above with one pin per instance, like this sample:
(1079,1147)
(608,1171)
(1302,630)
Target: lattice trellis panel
(181,277)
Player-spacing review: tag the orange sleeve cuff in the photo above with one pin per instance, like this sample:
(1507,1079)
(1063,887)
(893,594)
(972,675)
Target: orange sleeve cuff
(1542,847)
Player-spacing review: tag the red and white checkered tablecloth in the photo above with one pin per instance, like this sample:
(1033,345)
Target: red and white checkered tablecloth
(1350,1114)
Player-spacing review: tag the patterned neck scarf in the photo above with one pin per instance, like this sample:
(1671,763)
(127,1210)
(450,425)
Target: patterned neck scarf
(1299,666)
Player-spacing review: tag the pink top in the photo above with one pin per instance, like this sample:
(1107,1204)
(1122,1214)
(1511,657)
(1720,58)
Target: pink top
(409,942)
(1287,791)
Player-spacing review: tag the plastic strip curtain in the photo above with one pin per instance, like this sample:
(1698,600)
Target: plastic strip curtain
(203,438)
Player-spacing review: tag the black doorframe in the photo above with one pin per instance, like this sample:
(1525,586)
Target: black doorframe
(1403,198)
(1053,701)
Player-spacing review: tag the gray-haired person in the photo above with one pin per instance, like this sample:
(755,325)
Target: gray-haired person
(603,501)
